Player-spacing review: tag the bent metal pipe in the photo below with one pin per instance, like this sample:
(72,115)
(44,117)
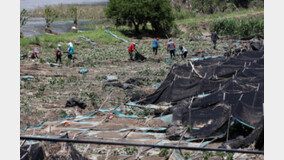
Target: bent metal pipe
(137,144)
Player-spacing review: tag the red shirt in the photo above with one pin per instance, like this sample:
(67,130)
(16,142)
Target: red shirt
(58,52)
(131,48)
(171,45)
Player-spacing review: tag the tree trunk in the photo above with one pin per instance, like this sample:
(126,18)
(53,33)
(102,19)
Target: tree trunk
(136,28)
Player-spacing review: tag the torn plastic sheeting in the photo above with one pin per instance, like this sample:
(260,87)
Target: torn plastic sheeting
(149,129)
(167,60)
(55,65)
(205,144)
(110,78)
(143,129)
(138,105)
(177,53)
(109,32)
(156,85)
(176,155)
(207,57)
(125,116)
(244,123)
(202,95)
(85,122)
(87,40)
(27,78)
(60,119)
(236,43)
(132,104)
(166,118)
(27,143)
(190,140)
(63,133)
(194,59)
(82,71)
(77,129)
(104,110)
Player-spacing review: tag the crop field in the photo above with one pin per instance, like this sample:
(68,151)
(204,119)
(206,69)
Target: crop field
(43,99)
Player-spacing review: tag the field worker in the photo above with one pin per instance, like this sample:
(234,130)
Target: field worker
(214,37)
(172,47)
(70,51)
(183,52)
(155,46)
(58,53)
(131,49)
(35,53)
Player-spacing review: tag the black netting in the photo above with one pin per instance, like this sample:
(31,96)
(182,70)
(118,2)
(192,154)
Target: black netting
(236,92)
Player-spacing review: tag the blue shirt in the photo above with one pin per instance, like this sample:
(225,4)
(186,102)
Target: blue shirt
(70,49)
(155,43)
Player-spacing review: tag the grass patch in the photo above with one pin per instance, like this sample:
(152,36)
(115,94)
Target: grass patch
(242,27)
(203,17)
(99,36)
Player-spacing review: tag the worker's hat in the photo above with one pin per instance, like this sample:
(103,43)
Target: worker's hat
(157,38)
(58,45)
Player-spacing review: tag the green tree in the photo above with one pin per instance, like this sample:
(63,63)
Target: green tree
(242,3)
(74,14)
(23,17)
(140,12)
(161,16)
(50,15)
(23,20)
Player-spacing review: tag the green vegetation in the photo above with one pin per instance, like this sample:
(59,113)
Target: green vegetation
(187,156)
(23,17)
(135,13)
(163,152)
(99,36)
(63,11)
(242,27)
(198,17)
(63,113)
(206,155)
(50,15)
(74,14)
(130,150)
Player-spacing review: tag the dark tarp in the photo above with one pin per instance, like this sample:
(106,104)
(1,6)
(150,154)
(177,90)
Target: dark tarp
(236,92)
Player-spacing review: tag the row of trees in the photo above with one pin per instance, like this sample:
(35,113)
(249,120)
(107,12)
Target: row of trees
(140,12)
(50,15)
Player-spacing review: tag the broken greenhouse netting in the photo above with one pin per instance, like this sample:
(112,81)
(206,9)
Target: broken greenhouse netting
(213,95)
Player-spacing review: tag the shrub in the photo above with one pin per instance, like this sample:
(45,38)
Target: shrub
(164,152)
(242,27)
(131,150)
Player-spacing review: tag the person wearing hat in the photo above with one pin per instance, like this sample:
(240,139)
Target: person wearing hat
(70,51)
(130,51)
(183,52)
(172,47)
(58,53)
(155,46)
